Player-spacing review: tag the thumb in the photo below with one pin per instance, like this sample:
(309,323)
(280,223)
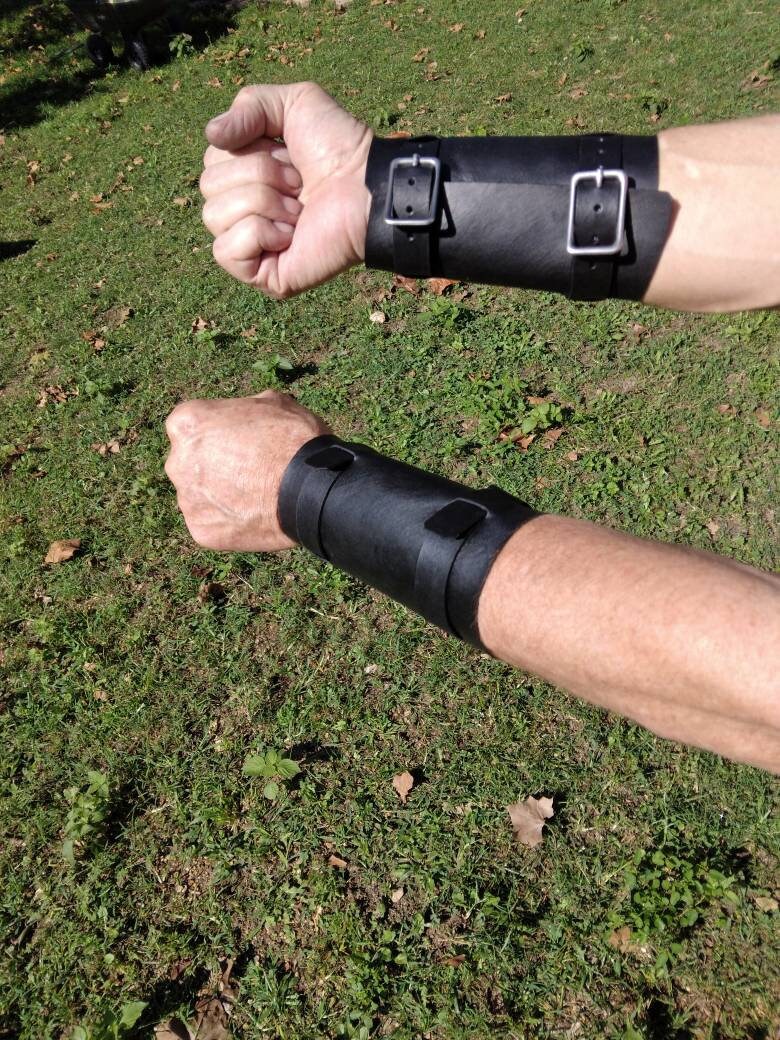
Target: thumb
(255,112)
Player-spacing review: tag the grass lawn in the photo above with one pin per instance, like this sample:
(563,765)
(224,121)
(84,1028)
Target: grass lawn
(138,859)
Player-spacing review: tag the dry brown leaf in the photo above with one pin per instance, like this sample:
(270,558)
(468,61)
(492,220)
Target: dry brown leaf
(577,93)
(766,903)
(551,436)
(726,409)
(503,98)
(572,456)
(399,134)
(533,399)
(377,317)
(111,447)
(562,79)
(211,592)
(453,962)
(396,895)
(116,317)
(438,286)
(529,817)
(422,54)
(400,281)
(250,333)
(182,200)
(620,939)
(524,443)
(337,862)
(215,81)
(456,28)
(403,783)
(763,417)
(520,13)
(62,550)
(173,1029)
(200,324)
(713,527)
(757,80)
(211,1022)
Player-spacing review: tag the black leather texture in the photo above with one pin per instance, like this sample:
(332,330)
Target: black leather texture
(504,207)
(421,539)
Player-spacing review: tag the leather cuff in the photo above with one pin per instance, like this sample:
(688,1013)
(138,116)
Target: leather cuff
(577,215)
(425,541)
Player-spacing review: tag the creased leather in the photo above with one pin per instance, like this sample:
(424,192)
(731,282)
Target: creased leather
(372,524)
(505,209)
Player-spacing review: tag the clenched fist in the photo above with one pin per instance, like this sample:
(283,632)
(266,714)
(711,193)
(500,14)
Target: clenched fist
(286,215)
(227,461)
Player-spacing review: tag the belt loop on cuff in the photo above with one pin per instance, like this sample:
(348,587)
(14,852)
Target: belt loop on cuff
(413,206)
(598,216)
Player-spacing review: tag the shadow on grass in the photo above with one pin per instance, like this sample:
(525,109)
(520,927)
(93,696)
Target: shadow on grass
(8,250)
(55,84)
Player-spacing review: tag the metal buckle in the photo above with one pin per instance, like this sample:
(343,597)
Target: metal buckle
(406,163)
(599,176)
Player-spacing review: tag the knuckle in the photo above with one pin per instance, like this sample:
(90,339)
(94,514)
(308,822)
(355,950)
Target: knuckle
(182,420)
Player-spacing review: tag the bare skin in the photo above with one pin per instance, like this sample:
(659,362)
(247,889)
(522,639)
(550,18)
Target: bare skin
(685,643)
(722,253)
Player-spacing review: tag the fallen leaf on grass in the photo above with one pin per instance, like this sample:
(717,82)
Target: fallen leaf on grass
(211,1022)
(438,286)
(57,394)
(95,341)
(377,317)
(577,93)
(766,903)
(524,443)
(396,895)
(116,317)
(400,281)
(182,200)
(620,939)
(713,527)
(763,417)
(726,409)
(502,98)
(456,28)
(757,80)
(403,783)
(200,325)
(551,436)
(422,54)
(572,456)
(211,592)
(337,862)
(111,447)
(454,961)
(529,817)
(62,550)
(398,134)
(173,1029)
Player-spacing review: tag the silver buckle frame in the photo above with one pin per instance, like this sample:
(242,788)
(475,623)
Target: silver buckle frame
(413,163)
(599,176)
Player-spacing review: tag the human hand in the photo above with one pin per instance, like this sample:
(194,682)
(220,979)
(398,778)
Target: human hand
(289,216)
(227,461)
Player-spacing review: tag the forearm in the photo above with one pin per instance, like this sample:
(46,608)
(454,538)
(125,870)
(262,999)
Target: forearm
(723,249)
(685,643)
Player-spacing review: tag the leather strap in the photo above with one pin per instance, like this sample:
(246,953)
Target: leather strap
(503,217)
(596,217)
(412,189)
(426,541)
(442,541)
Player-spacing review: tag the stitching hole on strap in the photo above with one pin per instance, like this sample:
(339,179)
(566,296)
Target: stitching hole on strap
(597,208)
(595,240)
(411,182)
(410,209)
